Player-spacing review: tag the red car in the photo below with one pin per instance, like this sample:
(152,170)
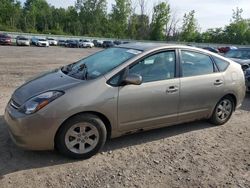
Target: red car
(5,39)
(226,49)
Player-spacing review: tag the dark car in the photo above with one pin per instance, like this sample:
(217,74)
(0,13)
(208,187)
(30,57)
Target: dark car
(241,56)
(117,42)
(108,44)
(226,49)
(61,42)
(5,39)
(211,49)
(125,42)
(72,44)
(34,41)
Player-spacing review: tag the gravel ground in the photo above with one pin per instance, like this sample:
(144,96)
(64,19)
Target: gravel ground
(187,155)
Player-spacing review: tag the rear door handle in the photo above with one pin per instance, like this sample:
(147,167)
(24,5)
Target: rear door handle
(218,82)
(172,89)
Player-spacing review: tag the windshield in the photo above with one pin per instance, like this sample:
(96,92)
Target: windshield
(238,54)
(23,39)
(99,63)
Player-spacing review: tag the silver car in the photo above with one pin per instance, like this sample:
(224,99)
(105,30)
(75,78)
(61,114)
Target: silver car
(122,90)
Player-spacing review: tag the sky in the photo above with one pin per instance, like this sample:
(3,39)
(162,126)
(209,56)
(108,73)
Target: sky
(209,13)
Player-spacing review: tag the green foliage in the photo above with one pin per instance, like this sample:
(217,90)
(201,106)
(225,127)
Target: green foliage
(189,29)
(161,16)
(119,17)
(138,27)
(237,32)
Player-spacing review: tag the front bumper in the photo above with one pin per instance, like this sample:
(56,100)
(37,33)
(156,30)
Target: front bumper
(31,132)
(5,42)
(42,45)
(53,43)
(24,43)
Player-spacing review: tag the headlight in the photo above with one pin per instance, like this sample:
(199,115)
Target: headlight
(38,102)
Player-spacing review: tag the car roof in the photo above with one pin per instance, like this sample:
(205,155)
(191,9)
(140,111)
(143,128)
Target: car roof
(148,46)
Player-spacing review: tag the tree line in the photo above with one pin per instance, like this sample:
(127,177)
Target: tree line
(91,18)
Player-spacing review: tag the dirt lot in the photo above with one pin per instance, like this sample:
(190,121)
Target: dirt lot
(187,155)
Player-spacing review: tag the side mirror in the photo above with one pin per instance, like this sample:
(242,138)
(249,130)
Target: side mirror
(134,79)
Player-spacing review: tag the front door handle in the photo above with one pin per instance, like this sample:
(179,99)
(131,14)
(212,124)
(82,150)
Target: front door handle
(172,89)
(218,82)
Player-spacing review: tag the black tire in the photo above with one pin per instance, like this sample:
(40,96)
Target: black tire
(215,119)
(94,120)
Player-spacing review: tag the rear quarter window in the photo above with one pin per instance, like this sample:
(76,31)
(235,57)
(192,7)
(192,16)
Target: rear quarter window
(221,64)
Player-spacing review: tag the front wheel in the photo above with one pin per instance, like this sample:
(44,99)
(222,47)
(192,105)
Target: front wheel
(81,137)
(223,111)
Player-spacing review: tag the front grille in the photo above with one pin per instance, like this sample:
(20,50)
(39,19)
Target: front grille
(14,104)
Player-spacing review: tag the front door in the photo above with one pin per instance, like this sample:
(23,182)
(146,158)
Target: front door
(155,102)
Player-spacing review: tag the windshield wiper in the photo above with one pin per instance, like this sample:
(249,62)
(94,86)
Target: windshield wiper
(66,69)
(82,68)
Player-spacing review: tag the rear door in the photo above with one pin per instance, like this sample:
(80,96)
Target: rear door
(201,85)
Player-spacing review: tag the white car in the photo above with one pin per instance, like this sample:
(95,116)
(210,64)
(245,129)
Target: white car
(42,43)
(86,44)
(22,41)
(52,42)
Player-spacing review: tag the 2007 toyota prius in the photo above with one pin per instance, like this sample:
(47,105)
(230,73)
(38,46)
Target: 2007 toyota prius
(122,90)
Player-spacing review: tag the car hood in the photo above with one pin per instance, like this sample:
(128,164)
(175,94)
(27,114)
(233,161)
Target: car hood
(241,61)
(55,80)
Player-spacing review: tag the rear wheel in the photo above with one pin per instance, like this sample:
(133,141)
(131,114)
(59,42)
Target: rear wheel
(81,137)
(222,111)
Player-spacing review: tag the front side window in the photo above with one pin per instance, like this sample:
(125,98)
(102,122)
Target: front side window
(99,63)
(194,64)
(160,66)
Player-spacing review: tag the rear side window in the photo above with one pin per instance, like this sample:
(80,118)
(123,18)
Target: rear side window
(194,64)
(221,64)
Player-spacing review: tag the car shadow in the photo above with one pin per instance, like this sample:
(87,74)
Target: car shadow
(13,159)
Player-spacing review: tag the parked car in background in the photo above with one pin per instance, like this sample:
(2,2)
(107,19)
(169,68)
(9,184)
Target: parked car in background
(86,44)
(122,90)
(61,42)
(117,42)
(108,44)
(52,42)
(22,41)
(125,42)
(98,43)
(241,56)
(226,49)
(211,49)
(72,44)
(34,41)
(95,42)
(5,39)
(42,43)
